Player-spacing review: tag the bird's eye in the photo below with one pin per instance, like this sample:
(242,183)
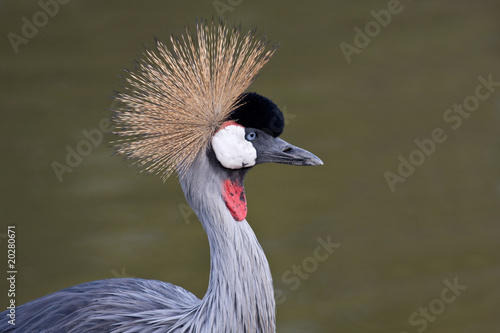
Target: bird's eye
(251,136)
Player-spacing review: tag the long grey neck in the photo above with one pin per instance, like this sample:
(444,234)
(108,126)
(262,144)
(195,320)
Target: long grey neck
(240,295)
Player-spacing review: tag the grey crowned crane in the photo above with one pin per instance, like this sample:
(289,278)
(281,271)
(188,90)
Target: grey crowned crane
(184,109)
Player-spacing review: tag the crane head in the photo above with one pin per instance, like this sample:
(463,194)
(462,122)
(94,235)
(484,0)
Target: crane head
(251,136)
(186,98)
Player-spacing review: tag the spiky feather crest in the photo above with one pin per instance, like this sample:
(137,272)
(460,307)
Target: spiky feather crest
(179,95)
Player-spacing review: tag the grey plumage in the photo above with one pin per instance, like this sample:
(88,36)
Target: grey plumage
(99,306)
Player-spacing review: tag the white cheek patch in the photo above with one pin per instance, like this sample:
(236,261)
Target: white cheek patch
(232,149)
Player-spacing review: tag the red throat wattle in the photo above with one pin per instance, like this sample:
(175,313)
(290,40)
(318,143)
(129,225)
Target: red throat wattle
(233,193)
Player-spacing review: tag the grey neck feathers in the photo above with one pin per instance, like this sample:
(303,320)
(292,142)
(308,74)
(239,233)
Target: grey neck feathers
(240,295)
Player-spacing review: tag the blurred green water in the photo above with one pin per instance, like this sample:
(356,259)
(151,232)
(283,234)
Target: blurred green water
(396,248)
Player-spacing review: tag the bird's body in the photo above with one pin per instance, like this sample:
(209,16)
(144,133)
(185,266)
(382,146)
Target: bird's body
(100,306)
(240,296)
(236,132)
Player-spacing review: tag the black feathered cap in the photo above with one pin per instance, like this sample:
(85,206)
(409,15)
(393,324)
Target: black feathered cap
(259,112)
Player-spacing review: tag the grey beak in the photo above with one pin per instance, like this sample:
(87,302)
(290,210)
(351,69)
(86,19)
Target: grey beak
(280,151)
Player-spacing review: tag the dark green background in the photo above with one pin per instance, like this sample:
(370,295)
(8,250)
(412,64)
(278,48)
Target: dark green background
(105,220)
